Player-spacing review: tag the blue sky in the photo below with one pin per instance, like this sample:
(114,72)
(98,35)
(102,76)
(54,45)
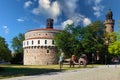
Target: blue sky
(19,16)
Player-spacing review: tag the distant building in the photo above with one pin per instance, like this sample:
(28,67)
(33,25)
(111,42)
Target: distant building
(109,22)
(109,25)
(39,47)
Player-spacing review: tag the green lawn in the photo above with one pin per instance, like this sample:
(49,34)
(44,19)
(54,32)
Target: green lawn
(8,71)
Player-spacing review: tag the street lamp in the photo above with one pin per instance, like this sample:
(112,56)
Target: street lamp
(105,59)
(92,59)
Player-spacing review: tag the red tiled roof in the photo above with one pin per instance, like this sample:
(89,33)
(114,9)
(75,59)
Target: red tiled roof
(44,29)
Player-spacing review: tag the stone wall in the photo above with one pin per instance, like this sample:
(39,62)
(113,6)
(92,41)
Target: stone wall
(43,52)
(109,24)
(40,55)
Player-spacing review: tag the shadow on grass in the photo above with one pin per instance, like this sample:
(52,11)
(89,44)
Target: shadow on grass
(15,72)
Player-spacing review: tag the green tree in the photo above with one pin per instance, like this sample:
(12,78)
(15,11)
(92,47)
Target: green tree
(17,45)
(77,40)
(63,41)
(5,53)
(114,46)
(93,41)
(68,40)
(110,38)
(93,37)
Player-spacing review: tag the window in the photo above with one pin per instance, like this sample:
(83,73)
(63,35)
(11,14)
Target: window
(52,41)
(27,43)
(45,41)
(48,24)
(47,51)
(38,41)
(32,42)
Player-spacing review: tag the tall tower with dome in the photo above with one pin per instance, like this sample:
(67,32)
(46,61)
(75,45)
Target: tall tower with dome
(109,22)
(39,47)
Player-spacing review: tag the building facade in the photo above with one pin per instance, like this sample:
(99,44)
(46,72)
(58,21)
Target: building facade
(39,47)
(109,22)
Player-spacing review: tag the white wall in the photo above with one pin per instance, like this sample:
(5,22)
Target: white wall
(35,42)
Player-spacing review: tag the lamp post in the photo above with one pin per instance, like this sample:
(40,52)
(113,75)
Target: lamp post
(105,59)
(92,59)
(60,60)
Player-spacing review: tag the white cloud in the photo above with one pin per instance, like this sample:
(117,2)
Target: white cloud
(78,18)
(97,1)
(50,9)
(86,21)
(68,7)
(98,8)
(67,22)
(53,9)
(27,4)
(6,29)
(20,20)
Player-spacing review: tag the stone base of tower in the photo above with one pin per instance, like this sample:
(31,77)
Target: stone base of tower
(40,56)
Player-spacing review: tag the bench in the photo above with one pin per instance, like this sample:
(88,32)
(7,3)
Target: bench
(70,63)
(74,61)
(79,62)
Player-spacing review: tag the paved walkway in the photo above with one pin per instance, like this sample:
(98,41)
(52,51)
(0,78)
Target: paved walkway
(111,72)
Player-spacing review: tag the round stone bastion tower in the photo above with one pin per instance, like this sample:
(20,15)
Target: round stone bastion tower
(39,47)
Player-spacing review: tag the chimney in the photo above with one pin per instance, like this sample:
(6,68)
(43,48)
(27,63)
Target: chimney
(49,23)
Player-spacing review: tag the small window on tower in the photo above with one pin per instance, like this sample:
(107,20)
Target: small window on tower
(27,43)
(45,41)
(38,41)
(48,24)
(32,42)
(47,51)
(52,41)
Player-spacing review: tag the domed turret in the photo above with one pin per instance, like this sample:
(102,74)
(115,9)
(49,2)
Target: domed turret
(109,14)
(109,22)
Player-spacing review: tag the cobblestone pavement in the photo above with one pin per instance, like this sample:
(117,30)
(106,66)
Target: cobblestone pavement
(111,72)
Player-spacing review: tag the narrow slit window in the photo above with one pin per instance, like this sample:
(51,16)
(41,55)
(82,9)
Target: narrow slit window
(27,43)
(45,41)
(52,41)
(38,41)
(47,51)
(32,42)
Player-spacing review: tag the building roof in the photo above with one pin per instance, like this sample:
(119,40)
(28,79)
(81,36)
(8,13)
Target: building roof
(46,29)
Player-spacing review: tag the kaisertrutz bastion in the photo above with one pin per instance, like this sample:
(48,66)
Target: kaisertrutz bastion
(39,47)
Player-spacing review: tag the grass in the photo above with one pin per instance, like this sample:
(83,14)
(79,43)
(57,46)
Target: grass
(8,71)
